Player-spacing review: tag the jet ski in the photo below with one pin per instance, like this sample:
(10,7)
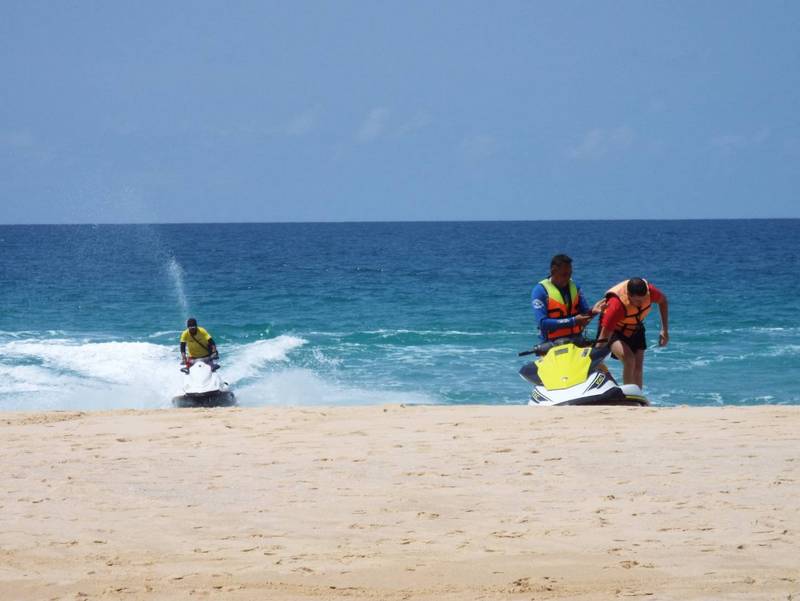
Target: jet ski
(203,386)
(567,374)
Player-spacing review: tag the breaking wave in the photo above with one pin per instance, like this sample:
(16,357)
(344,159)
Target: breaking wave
(62,373)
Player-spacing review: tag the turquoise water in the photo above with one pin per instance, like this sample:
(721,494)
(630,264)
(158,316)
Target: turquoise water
(382,312)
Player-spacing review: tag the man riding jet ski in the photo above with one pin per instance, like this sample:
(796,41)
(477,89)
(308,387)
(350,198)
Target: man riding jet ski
(568,374)
(202,385)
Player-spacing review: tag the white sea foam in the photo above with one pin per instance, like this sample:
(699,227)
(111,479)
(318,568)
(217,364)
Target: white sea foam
(71,374)
(112,362)
(761,330)
(785,350)
(322,359)
(164,333)
(298,386)
(681,396)
(60,373)
(32,378)
(388,333)
(24,334)
(249,360)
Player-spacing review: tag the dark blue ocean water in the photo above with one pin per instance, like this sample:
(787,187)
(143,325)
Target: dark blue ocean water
(382,312)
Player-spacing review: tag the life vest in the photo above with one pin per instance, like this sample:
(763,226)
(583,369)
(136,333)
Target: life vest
(557,308)
(634,316)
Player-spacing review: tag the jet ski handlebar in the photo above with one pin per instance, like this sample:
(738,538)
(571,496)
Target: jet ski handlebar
(210,360)
(541,349)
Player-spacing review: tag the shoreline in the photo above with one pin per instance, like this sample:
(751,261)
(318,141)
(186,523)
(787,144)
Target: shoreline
(401,502)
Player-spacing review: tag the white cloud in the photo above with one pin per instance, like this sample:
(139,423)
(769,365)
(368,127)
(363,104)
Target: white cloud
(302,123)
(17,139)
(732,143)
(24,145)
(728,143)
(598,143)
(480,146)
(374,125)
(414,124)
(762,135)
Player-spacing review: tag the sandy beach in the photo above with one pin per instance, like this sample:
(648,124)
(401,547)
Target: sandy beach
(394,502)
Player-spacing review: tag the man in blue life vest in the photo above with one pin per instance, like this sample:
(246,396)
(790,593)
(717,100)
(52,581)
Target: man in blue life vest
(560,308)
(198,342)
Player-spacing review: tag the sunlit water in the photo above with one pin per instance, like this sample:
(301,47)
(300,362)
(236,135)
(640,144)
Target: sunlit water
(382,312)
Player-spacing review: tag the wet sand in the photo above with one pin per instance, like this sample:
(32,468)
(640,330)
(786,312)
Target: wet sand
(428,503)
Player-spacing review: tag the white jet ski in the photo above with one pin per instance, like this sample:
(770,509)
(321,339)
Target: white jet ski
(204,387)
(568,374)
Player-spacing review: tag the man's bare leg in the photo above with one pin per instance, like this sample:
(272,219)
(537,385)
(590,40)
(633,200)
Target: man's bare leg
(624,353)
(638,375)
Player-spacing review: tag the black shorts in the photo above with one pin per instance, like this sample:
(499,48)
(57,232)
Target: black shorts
(636,341)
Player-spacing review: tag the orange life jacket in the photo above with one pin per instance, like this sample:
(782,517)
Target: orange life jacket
(557,308)
(634,316)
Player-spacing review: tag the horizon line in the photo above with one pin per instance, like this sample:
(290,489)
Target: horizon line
(377,221)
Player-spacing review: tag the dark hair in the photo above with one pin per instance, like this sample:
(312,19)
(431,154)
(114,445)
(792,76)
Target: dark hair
(637,287)
(191,322)
(560,260)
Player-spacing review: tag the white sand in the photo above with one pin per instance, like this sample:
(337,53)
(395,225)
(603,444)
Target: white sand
(402,503)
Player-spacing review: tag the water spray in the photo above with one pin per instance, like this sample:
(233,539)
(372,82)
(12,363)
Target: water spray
(176,273)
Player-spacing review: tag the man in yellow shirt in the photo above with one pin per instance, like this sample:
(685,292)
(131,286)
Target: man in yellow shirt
(197,341)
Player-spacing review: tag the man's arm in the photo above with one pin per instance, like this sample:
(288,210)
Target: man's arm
(603,338)
(663,308)
(659,298)
(614,311)
(585,312)
(583,306)
(183,351)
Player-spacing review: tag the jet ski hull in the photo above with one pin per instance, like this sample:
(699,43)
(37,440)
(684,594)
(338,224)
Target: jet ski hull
(224,398)
(614,400)
(613,395)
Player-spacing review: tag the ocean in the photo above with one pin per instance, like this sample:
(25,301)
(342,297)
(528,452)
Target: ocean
(371,313)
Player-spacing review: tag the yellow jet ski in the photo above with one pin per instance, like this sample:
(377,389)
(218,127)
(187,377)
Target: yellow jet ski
(567,374)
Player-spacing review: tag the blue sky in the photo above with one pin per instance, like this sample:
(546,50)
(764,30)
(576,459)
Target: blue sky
(318,111)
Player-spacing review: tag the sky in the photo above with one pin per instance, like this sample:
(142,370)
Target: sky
(125,112)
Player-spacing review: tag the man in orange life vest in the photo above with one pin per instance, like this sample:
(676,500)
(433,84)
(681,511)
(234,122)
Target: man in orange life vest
(622,324)
(560,308)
